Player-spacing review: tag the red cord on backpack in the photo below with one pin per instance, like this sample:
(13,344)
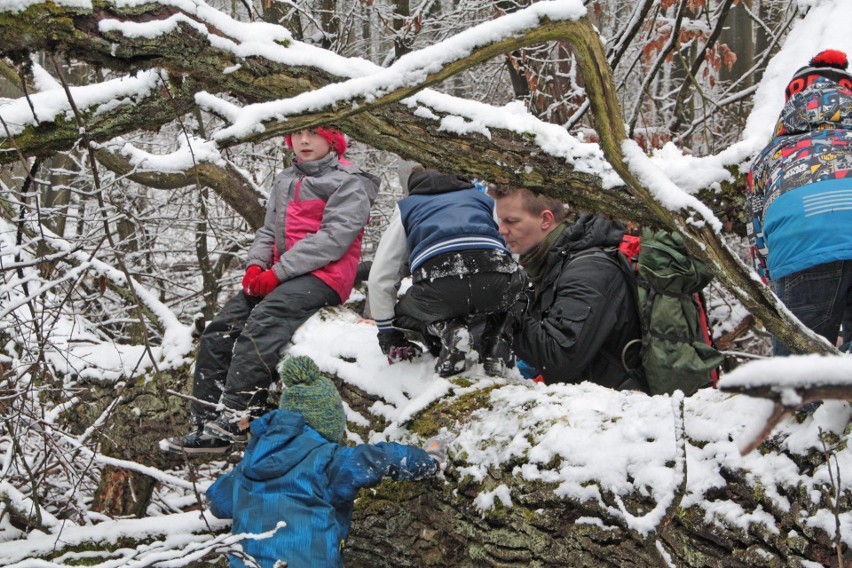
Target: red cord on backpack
(705,328)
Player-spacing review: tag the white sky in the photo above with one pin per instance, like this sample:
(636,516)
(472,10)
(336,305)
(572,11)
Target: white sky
(617,441)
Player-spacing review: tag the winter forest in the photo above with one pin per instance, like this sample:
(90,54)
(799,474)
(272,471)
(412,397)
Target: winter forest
(139,142)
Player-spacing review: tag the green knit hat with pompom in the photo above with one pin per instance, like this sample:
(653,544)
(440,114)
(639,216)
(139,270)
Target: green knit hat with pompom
(314,396)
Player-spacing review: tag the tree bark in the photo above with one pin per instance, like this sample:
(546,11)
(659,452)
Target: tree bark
(436,523)
(226,181)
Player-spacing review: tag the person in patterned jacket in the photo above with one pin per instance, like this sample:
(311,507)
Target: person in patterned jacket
(799,198)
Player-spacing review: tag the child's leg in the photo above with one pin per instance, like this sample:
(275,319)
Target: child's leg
(455,344)
(268,330)
(496,345)
(214,355)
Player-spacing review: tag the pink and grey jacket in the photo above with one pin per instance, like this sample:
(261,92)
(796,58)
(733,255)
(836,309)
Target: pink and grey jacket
(321,233)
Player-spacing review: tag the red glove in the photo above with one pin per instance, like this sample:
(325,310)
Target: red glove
(264,284)
(252,272)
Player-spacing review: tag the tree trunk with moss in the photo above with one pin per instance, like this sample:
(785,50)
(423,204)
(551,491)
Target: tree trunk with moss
(438,523)
(441,522)
(134,417)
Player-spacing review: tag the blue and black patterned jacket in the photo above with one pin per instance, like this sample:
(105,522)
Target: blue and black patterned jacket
(297,489)
(799,191)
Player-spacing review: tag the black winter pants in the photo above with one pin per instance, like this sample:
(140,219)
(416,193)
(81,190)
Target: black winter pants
(438,299)
(241,347)
(487,294)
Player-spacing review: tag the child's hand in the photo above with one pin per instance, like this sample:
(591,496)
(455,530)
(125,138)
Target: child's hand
(398,348)
(436,446)
(252,272)
(264,283)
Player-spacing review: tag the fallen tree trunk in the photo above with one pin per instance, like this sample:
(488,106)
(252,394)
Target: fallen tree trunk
(502,502)
(445,522)
(440,523)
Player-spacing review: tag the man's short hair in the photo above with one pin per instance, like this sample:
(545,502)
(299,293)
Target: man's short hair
(534,203)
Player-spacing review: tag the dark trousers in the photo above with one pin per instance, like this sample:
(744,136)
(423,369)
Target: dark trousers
(241,347)
(820,297)
(488,294)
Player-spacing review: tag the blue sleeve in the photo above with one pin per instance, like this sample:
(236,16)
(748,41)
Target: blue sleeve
(366,465)
(220,495)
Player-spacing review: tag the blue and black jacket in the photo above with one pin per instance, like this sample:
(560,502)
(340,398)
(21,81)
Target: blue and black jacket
(443,214)
(297,486)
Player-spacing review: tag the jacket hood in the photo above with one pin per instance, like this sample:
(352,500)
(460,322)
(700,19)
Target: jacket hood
(278,444)
(590,231)
(316,168)
(430,182)
(824,104)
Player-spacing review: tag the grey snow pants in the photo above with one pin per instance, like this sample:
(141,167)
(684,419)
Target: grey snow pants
(241,347)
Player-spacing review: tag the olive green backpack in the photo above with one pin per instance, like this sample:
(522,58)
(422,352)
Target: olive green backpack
(676,347)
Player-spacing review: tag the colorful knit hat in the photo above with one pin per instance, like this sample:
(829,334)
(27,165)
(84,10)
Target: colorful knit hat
(313,396)
(829,63)
(334,138)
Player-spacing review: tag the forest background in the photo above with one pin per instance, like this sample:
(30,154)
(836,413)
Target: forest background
(107,271)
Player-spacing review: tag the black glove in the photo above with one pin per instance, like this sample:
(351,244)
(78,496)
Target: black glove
(398,348)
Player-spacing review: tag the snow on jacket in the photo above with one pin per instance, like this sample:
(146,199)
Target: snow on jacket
(799,189)
(293,476)
(442,214)
(348,192)
(582,315)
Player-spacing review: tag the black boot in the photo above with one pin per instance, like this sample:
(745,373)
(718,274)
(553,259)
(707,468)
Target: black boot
(455,343)
(496,353)
(196,442)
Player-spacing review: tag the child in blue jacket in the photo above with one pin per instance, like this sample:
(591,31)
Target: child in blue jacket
(296,473)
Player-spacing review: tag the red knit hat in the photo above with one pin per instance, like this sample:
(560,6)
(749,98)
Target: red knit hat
(334,138)
(829,63)
(830,58)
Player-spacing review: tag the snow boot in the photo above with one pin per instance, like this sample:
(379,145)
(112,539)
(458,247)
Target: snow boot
(455,343)
(227,427)
(196,442)
(496,353)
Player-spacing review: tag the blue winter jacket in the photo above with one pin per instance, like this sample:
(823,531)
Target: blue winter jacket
(799,197)
(291,475)
(444,213)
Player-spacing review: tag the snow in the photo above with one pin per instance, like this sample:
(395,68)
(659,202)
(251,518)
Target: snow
(54,103)
(583,439)
(192,150)
(76,351)
(173,532)
(487,499)
(826,26)
(410,70)
(792,372)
